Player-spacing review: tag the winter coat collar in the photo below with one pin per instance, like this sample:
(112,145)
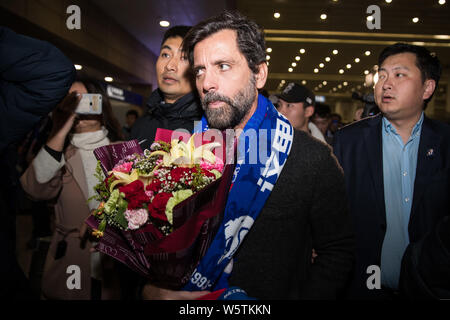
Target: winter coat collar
(187,106)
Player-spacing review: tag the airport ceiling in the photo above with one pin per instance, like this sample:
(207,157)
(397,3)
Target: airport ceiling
(301,25)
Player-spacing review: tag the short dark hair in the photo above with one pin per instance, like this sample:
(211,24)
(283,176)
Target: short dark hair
(176,31)
(428,64)
(132,113)
(250,37)
(336,115)
(322,110)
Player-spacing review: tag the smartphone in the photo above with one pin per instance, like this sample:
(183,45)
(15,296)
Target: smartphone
(90,103)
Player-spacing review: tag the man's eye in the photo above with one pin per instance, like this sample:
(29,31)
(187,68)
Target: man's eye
(399,75)
(381,76)
(164,55)
(198,72)
(224,66)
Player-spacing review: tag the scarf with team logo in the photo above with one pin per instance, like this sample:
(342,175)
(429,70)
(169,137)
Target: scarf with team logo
(268,135)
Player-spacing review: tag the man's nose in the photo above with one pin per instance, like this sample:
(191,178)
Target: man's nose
(209,82)
(172,64)
(387,83)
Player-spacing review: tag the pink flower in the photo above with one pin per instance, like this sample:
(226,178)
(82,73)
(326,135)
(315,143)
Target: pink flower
(205,165)
(136,218)
(125,167)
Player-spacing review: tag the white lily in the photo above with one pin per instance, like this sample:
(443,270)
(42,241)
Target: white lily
(186,154)
(123,178)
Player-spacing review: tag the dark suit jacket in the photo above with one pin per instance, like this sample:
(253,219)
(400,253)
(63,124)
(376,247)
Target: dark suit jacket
(358,148)
(306,209)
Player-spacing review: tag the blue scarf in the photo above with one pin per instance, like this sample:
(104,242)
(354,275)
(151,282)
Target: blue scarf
(251,186)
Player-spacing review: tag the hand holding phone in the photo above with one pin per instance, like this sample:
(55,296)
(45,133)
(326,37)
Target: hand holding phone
(90,103)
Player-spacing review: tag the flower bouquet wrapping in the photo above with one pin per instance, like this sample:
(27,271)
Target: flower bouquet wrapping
(160,208)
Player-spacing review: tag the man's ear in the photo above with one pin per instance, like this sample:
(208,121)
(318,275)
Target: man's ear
(429,85)
(309,111)
(261,76)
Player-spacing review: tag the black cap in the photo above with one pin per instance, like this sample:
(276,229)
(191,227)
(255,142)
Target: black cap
(294,93)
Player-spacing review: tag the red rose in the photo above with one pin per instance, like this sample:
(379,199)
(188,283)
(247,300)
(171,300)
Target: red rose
(207,173)
(176,173)
(132,188)
(137,201)
(135,194)
(181,172)
(154,186)
(157,207)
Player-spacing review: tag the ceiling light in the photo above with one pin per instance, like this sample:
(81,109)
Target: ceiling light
(357,60)
(269,50)
(78,66)
(345,83)
(367,53)
(369,18)
(290,69)
(304,82)
(283,81)
(334,89)
(302,51)
(109,79)
(324,83)
(316,70)
(315,89)
(388,1)
(327,59)
(335,51)
(293,64)
(323,16)
(366,71)
(415,19)
(321,65)
(441,2)
(358,87)
(267,63)
(164,23)
(297,58)
(375,78)
(267,57)
(341,71)
(340,86)
(348,66)
(276,15)
(320,85)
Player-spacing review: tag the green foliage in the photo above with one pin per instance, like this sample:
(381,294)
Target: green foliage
(101,188)
(119,217)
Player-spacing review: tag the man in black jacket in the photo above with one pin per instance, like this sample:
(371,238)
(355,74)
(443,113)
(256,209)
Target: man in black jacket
(175,104)
(34,77)
(397,172)
(304,207)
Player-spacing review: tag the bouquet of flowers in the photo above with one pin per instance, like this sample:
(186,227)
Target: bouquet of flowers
(160,208)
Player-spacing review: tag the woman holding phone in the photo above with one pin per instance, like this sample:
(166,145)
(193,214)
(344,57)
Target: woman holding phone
(64,170)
